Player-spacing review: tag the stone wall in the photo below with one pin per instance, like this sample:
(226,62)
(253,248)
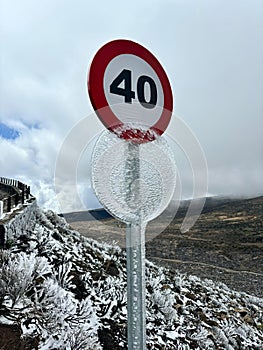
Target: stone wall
(9,190)
(22,222)
(12,194)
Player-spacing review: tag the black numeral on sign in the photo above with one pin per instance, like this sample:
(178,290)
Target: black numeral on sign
(141,91)
(126,91)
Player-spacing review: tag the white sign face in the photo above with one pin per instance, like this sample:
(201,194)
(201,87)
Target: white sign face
(130,79)
(129,90)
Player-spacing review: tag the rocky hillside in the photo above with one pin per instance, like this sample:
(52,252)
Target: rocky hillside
(60,290)
(225,244)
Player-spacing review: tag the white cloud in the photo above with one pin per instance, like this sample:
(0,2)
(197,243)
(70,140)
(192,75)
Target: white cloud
(211,51)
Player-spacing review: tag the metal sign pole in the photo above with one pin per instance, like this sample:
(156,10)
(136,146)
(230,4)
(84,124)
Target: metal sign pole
(135,249)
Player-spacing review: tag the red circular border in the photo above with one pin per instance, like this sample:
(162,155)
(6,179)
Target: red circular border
(96,88)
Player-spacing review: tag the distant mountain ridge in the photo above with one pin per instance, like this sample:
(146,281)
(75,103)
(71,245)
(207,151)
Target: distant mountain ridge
(87,215)
(210,204)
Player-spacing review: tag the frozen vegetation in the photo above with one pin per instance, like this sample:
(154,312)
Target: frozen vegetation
(69,292)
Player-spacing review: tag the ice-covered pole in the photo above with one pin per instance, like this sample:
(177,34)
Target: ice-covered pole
(135,250)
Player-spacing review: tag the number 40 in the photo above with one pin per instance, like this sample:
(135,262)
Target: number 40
(128,94)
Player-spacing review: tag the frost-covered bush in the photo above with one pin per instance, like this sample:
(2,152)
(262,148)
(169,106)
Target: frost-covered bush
(19,274)
(164,300)
(69,292)
(30,295)
(64,322)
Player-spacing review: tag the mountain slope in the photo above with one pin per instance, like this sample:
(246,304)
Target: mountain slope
(69,292)
(226,242)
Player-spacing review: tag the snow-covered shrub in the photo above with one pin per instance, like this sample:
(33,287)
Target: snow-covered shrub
(19,274)
(164,300)
(64,275)
(64,322)
(31,296)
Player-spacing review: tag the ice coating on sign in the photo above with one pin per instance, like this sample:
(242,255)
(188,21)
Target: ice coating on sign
(134,192)
(134,182)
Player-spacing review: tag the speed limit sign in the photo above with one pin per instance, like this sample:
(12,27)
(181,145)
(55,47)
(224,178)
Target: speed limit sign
(128,87)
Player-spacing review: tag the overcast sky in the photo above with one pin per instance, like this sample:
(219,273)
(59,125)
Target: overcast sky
(212,53)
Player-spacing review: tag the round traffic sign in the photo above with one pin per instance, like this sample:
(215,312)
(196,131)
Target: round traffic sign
(130,91)
(134,183)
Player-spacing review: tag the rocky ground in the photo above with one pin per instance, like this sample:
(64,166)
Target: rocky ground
(225,244)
